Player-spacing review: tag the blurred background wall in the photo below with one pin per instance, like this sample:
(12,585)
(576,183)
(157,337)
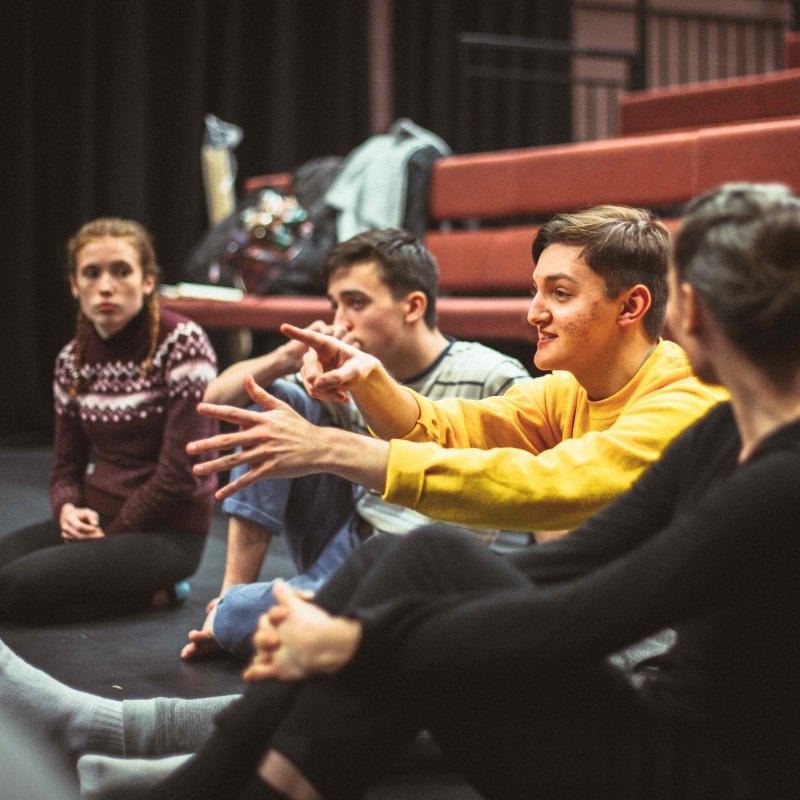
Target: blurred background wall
(104,102)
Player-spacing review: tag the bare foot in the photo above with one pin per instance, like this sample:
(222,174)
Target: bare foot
(202,644)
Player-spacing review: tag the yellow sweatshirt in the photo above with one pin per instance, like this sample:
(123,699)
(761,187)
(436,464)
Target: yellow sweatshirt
(543,456)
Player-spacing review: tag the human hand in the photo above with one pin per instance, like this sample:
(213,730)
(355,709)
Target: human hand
(203,643)
(296,639)
(78,524)
(293,351)
(331,367)
(277,442)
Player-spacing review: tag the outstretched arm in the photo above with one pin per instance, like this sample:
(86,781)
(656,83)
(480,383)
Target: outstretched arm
(333,368)
(280,443)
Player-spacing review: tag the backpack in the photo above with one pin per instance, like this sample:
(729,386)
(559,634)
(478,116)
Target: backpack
(272,243)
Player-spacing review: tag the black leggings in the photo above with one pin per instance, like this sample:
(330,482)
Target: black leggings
(42,578)
(581,733)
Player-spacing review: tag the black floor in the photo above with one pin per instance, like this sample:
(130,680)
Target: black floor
(123,657)
(137,656)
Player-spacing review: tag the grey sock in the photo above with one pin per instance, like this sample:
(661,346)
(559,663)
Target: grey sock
(167,725)
(109,778)
(75,721)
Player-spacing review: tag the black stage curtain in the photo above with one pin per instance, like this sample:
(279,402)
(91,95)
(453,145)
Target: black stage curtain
(104,102)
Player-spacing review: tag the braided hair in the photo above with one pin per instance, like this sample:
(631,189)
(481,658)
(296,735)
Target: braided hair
(142,241)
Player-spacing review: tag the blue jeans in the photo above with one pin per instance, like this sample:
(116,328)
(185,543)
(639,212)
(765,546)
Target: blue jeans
(315,514)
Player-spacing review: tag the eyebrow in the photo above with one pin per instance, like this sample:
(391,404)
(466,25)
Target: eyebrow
(348,293)
(118,262)
(557,276)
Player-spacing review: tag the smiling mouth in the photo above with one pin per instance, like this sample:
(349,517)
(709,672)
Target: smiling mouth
(546,337)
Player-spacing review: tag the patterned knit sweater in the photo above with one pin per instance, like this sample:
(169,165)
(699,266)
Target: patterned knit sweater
(120,444)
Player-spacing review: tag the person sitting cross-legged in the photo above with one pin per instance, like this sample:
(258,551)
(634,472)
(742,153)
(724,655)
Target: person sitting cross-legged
(383,287)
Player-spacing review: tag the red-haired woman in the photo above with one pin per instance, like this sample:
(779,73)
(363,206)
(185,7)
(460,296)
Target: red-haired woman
(129,517)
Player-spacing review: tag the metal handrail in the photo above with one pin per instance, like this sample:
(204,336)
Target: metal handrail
(470,43)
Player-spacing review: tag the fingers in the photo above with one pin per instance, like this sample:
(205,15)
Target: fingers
(277,614)
(329,347)
(200,636)
(225,462)
(287,597)
(266,640)
(224,441)
(259,671)
(77,536)
(308,336)
(320,384)
(240,417)
(284,593)
(260,395)
(319,326)
(236,485)
(80,523)
(266,637)
(189,651)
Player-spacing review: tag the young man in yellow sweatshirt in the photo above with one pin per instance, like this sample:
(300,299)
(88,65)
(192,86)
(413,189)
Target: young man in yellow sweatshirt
(545,455)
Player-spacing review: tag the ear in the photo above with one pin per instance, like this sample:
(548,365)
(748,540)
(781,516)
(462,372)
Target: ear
(416,305)
(148,285)
(636,302)
(692,310)
(73,286)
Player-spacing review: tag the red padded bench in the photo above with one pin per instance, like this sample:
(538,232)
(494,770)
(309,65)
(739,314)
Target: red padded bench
(791,49)
(485,272)
(463,317)
(774,95)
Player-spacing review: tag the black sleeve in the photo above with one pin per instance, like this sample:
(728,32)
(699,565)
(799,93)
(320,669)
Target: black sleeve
(734,538)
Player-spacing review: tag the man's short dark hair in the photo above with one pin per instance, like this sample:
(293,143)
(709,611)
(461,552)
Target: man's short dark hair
(406,265)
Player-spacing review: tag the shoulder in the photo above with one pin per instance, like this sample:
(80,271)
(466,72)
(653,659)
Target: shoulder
(669,355)
(460,347)
(181,339)
(471,370)
(170,321)
(177,330)
(716,425)
(478,357)
(67,352)
(64,371)
(668,370)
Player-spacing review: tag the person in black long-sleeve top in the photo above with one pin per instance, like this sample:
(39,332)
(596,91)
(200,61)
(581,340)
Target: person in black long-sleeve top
(503,658)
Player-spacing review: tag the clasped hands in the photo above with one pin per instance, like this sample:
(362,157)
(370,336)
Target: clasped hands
(296,639)
(78,524)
